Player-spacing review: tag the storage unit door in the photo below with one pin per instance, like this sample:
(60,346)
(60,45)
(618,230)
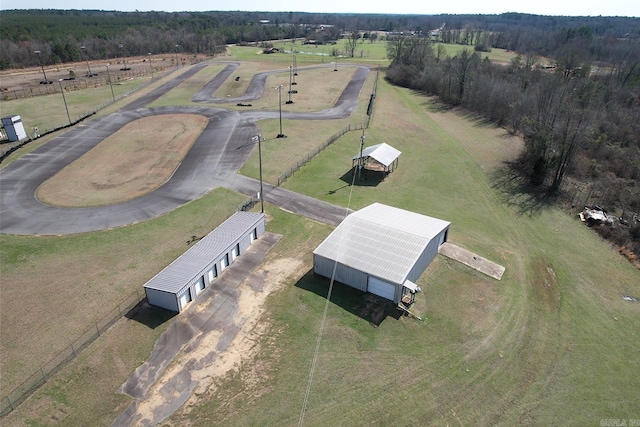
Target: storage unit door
(381,288)
(200,285)
(235,252)
(213,273)
(224,262)
(185,298)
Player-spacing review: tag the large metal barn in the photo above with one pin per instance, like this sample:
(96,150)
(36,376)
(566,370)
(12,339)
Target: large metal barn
(181,281)
(381,249)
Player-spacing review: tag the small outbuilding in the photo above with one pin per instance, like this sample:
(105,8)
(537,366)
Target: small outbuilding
(379,157)
(381,249)
(185,278)
(14,128)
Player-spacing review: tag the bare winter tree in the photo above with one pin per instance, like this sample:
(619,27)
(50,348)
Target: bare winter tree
(351,43)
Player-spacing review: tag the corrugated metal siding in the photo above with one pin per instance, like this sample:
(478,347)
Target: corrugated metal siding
(162,299)
(382,241)
(344,274)
(352,277)
(425,258)
(187,268)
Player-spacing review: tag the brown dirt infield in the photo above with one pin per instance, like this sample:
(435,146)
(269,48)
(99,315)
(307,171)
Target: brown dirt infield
(142,156)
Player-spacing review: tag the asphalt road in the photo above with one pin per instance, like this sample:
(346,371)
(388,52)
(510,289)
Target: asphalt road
(216,156)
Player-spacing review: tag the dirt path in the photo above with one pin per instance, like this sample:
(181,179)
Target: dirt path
(209,358)
(216,336)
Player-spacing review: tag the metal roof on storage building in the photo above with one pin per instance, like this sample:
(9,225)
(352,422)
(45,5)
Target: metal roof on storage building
(196,259)
(382,240)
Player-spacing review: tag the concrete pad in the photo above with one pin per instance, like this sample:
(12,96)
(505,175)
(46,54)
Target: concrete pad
(472,260)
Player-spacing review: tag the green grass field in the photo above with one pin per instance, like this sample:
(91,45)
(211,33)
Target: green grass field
(500,55)
(552,343)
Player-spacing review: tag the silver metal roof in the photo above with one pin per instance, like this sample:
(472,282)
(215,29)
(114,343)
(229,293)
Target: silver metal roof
(382,153)
(381,240)
(191,264)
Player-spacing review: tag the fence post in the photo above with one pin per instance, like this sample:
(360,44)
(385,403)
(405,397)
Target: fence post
(43,374)
(97,329)
(74,351)
(10,403)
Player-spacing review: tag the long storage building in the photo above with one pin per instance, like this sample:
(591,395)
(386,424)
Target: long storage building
(381,249)
(181,281)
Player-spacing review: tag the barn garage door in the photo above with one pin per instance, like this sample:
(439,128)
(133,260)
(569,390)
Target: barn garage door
(381,288)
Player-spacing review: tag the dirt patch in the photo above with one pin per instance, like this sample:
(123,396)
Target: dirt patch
(134,161)
(374,308)
(211,356)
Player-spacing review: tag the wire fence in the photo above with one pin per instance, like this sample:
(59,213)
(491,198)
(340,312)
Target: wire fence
(129,305)
(8,148)
(293,169)
(359,126)
(80,84)
(42,375)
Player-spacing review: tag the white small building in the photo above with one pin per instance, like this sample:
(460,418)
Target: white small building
(185,278)
(14,128)
(378,157)
(381,249)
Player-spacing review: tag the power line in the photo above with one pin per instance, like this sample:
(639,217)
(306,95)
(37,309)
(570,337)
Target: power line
(314,361)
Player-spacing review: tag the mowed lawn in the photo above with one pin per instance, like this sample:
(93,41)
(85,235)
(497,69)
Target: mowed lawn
(551,343)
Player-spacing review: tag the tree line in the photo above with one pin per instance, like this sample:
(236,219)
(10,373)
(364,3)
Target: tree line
(580,125)
(58,34)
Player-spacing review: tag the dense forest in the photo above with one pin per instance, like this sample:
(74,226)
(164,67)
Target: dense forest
(578,109)
(58,34)
(579,116)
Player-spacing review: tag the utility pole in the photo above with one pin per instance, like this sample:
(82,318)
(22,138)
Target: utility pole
(279,89)
(84,50)
(361,160)
(110,83)
(290,91)
(45,81)
(259,139)
(295,69)
(124,61)
(64,99)
(150,65)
